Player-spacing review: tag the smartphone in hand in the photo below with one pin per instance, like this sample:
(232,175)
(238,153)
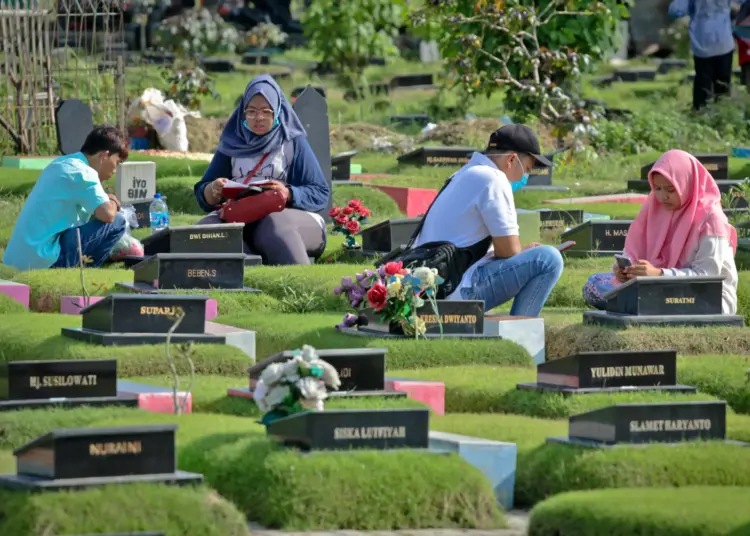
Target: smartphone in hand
(622,261)
(566,245)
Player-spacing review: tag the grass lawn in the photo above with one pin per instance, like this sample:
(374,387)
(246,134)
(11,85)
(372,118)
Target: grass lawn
(572,490)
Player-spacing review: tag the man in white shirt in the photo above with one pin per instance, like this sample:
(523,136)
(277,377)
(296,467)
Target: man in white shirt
(478,203)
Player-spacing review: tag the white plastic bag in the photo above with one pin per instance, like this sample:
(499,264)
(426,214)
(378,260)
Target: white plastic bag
(128,245)
(166,117)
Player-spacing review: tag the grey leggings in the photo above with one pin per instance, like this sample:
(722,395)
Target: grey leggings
(288,237)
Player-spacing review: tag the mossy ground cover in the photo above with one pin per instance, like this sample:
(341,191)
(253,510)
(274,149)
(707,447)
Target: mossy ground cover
(690,511)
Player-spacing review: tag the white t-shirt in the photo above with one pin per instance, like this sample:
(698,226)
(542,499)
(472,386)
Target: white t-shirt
(476,204)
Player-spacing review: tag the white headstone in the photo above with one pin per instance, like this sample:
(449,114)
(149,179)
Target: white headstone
(135,181)
(429,52)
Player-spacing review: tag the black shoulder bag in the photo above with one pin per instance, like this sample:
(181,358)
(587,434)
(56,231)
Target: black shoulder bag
(451,262)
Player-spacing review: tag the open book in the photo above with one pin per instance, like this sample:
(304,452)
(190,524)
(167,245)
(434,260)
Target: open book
(232,188)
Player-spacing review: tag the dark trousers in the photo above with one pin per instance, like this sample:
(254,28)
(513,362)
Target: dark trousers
(97,240)
(713,77)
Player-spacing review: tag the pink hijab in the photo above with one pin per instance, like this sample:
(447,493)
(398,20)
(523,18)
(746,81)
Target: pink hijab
(666,238)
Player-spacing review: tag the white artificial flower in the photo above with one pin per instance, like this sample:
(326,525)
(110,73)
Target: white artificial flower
(330,374)
(315,405)
(276,396)
(426,276)
(272,374)
(308,353)
(259,396)
(312,389)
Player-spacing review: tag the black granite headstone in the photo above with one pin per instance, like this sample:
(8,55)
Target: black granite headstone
(159,57)
(341,165)
(634,75)
(671,64)
(74,122)
(218,238)
(165,271)
(667,296)
(412,80)
(312,109)
(388,235)
(256,58)
(350,429)
(717,164)
(618,371)
(459,317)
(437,156)
(142,214)
(556,218)
(217,65)
(360,369)
(597,238)
(543,176)
(83,457)
(665,422)
(296,92)
(35,384)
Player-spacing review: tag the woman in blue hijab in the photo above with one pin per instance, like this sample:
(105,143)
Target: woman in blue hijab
(264,141)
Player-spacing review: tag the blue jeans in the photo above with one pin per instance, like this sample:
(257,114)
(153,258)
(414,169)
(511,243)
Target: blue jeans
(97,240)
(528,277)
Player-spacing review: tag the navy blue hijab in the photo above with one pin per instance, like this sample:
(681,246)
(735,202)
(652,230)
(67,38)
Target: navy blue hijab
(238,141)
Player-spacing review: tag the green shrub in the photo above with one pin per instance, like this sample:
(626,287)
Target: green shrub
(546,469)
(120,509)
(282,488)
(693,511)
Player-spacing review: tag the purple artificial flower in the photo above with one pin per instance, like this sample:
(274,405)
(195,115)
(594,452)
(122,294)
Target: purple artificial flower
(349,321)
(365,284)
(360,277)
(346,282)
(369,274)
(381,271)
(336,291)
(356,297)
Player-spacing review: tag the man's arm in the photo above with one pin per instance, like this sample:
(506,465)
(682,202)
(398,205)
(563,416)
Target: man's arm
(498,211)
(94,200)
(106,212)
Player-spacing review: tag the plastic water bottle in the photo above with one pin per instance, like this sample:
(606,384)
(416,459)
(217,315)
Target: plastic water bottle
(158,214)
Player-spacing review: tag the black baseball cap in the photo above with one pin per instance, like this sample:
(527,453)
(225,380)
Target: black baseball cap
(517,139)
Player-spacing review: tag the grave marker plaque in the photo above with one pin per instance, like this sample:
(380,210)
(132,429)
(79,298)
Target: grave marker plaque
(458,317)
(165,271)
(74,121)
(388,235)
(717,165)
(256,58)
(412,80)
(351,429)
(312,109)
(667,296)
(35,384)
(360,369)
(142,214)
(341,165)
(542,176)
(135,181)
(634,75)
(556,218)
(214,238)
(84,457)
(596,372)
(665,422)
(438,156)
(217,65)
(597,238)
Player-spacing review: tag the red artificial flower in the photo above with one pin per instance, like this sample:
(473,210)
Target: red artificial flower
(353,226)
(341,219)
(377,296)
(355,203)
(335,211)
(394,268)
(365,213)
(348,210)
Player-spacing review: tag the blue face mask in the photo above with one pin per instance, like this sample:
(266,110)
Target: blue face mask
(275,124)
(515,186)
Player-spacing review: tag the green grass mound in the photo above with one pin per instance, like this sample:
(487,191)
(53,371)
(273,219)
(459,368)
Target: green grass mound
(9,305)
(282,488)
(693,511)
(546,469)
(484,388)
(34,336)
(121,509)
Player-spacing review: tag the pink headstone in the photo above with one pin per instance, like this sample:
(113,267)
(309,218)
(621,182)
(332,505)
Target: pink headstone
(16,291)
(152,398)
(72,305)
(429,393)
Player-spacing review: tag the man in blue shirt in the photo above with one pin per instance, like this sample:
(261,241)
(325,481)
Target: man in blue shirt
(67,196)
(712,43)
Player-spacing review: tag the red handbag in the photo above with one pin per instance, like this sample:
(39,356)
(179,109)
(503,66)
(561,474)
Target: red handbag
(253,203)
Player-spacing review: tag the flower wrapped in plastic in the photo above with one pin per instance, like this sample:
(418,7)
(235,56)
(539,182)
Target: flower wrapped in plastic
(299,384)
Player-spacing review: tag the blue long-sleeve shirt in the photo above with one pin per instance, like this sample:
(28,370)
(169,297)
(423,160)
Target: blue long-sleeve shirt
(710,25)
(304,178)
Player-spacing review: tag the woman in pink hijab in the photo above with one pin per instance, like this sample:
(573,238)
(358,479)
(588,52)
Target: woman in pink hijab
(680,231)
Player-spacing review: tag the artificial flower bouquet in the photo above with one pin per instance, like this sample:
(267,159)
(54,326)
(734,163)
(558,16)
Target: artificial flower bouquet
(297,385)
(347,220)
(394,293)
